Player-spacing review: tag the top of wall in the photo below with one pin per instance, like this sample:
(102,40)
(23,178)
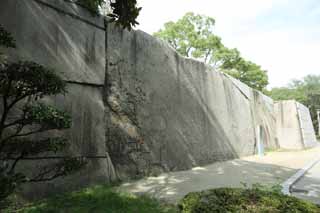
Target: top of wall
(287,102)
(69,7)
(244,89)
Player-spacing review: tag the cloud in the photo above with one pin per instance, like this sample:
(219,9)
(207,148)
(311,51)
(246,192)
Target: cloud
(280,35)
(156,13)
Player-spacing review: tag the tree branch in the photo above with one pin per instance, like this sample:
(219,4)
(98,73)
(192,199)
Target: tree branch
(16,122)
(41,176)
(207,55)
(16,100)
(187,51)
(6,110)
(42,179)
(16,162)
(22,135)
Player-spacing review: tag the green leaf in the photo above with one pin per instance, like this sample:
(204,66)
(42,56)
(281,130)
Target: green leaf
(26,78)
(47,116)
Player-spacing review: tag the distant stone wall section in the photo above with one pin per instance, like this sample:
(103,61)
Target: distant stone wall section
(294,126)
(307,129)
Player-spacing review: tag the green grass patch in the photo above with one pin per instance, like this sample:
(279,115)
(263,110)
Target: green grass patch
(104,199)
(244,200)
(99,199)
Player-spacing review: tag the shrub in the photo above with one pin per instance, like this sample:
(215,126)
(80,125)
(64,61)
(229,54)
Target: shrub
(238,200)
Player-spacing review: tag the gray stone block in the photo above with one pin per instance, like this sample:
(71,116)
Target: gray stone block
(72,47)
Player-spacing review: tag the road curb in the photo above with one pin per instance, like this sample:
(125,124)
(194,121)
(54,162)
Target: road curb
(287,185)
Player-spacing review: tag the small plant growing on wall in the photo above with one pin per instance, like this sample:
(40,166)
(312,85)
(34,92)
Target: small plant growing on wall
(23,115)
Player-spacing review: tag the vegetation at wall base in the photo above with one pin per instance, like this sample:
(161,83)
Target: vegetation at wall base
(106,199)
(98,199)
(244,200)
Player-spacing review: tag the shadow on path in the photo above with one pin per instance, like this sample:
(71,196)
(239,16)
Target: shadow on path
(173,186)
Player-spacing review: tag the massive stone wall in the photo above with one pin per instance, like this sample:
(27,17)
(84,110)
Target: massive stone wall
(67,38)
(185,113)
(134,99)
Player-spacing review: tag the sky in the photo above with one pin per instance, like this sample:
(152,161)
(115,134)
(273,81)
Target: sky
(282,36)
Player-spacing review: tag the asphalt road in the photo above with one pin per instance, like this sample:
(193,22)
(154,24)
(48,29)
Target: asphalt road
(308,187)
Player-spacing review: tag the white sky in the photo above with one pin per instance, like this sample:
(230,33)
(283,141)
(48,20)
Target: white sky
(280,35)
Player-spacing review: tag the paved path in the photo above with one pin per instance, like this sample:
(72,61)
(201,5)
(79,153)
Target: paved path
(308,187)
(274,168)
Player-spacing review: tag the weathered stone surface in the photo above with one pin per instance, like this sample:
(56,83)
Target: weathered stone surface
(262,110)
(265,118)
(49,35)
(186,113)
(307,129)
(53,38)
(294,126)
(87,138)
(138,102)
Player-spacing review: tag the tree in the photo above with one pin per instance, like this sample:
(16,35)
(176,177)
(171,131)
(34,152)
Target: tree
(194,36)
(305,91)
(287,93)
(124,12)
(23,115)
(248,73)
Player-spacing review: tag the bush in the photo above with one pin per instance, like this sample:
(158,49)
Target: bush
(246,200)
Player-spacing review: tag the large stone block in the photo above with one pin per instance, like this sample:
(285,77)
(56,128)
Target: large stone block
(140,104)
(307,129)
(87,138)
(294,125)
(67,38)
(53,38)
(265,119)
(185,113)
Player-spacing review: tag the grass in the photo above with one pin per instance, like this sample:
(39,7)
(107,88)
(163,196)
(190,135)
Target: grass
(104,199)
(98,199)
